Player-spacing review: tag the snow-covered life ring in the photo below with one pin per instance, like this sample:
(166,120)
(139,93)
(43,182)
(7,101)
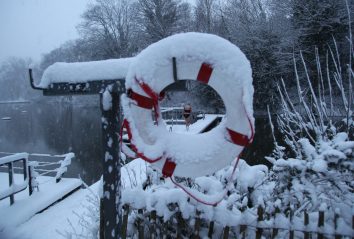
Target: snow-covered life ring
(208,59)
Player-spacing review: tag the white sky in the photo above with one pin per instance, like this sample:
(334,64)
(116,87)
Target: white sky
(29,28)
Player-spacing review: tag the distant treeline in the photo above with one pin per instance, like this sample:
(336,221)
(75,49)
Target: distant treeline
(270,32)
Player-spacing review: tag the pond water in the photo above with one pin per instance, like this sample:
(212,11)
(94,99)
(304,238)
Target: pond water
(61,127)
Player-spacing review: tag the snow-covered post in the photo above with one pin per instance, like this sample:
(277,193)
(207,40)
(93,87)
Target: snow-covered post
(112,220)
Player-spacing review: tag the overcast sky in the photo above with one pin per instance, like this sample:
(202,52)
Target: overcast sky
(29,28)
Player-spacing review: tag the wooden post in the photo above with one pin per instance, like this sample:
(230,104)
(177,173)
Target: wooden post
(243,228)
(101,219)
(226,232)
(275,230)
(353,224)
(320,224)
(211,229)
(306,223)
(140,224)
(109,99)
(179,224)
(153,224)
(291,232)
(336,216)
(125,221)
(197,225)
(259,219)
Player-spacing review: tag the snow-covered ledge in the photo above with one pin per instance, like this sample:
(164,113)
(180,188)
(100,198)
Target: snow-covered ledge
(83,72)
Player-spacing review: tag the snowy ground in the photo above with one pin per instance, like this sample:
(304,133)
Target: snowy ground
(195,128)
(25,207)
(63,216)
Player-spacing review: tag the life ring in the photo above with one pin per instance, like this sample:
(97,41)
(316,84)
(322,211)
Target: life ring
(203,57)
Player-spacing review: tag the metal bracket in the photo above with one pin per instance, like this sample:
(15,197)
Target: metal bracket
(32,81)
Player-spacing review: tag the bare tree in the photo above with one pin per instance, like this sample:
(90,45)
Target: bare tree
(161,18)
(111,23)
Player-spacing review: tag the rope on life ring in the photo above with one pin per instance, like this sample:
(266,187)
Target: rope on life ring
(142,98)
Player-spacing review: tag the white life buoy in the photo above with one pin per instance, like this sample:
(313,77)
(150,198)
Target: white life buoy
(203,57)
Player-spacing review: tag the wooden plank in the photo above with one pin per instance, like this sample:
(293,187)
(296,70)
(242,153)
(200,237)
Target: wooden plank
(320,224)
(306,223)
(211,229)
(353,224)
(125,221)
(275,230)
(336,217)
(180,223)
(197,225)
(140,224)
(259,219)
(153,224)
(101,220)
(226,232)
(291,232)
(243,229)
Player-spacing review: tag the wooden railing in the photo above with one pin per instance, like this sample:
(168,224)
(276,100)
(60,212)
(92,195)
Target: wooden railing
(147,224)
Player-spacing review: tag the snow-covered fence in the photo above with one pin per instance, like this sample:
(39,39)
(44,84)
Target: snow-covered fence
(252,223)
(31,170)
(13,186)
(56,168)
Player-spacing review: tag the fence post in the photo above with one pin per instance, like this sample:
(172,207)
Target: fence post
(140,224)
(275,230)
(259,219)
(353,224)
(243,228)
(306,223)
(320,224)
(211,229)
(153,224)
(125,221)
(336,216)
(226,232)
(197,225)
(291,232)
(179,224)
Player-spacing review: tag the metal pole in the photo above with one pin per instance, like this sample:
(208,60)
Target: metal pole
(11,181)
(111,208)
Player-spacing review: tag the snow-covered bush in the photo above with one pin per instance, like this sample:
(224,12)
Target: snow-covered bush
(314,170)
(175,210)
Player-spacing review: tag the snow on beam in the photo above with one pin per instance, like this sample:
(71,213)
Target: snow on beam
(84,72)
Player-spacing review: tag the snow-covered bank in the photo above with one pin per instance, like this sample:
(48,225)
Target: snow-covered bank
(59,218)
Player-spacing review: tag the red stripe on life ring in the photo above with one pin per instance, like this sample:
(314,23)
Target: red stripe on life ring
(238,138)
(204,73)
(142,101)
(168,168)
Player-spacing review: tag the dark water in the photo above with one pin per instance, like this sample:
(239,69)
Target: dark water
(61,127)
(55,128)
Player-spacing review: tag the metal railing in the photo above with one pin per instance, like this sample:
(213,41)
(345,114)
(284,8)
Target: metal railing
(31,170)
(13,187)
